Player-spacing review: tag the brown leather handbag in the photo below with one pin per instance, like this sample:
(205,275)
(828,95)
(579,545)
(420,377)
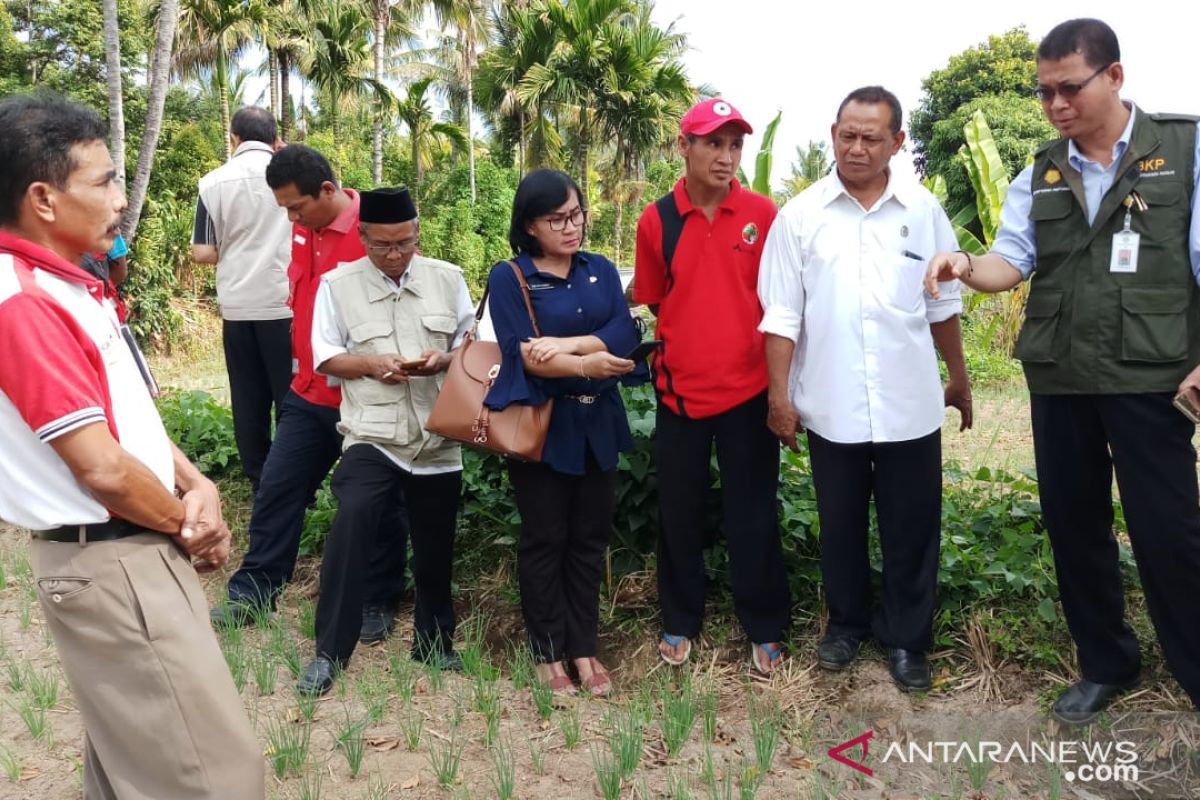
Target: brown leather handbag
(459,413)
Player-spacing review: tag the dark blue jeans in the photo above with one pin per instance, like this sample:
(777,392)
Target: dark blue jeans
(306,447)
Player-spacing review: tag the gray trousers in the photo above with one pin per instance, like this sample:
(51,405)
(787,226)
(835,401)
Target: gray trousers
(162,716)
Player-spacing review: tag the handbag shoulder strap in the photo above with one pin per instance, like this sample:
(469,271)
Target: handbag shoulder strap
(525,294)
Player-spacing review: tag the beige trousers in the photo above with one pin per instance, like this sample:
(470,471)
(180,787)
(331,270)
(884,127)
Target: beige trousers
(162,716)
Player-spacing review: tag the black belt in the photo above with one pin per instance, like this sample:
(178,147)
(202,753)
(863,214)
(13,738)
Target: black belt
(99,532)
(586,399)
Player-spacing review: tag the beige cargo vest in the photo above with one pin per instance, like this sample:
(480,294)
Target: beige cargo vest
(422,316)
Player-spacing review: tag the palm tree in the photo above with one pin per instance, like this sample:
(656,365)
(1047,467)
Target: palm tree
(157,81)
(578,67)
(339,56)
(211,33)
(811,164)
(423,131)
(472,26)
(392,23)
(523,38)
(284,38)
(638,106)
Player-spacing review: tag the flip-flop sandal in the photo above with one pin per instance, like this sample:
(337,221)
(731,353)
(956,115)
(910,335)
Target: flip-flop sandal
(773,653)
(675,641)
(599,683)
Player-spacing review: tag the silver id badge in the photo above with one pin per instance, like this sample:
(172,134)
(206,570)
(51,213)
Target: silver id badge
(1124,251)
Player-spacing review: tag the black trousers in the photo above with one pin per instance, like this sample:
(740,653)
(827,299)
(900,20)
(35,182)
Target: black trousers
(258,357)
(748,457)
(566,521)
(307,444)
(365,483)
(1078,440)
(905,478)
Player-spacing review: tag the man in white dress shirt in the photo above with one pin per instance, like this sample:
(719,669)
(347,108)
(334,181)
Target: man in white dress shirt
(850,353)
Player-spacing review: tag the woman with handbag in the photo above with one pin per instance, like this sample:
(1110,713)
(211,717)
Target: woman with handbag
(566,501)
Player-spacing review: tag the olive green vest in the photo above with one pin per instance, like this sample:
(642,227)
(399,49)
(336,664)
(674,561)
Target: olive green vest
(1091,331)
(422,316)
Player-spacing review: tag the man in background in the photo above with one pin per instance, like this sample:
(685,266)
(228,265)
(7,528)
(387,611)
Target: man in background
(240,228)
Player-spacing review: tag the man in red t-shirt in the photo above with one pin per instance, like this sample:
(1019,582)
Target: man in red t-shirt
(697,268)
(307,443)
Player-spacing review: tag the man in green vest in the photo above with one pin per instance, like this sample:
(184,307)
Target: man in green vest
(1105,225)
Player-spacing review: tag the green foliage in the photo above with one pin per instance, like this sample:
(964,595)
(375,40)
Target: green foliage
(63,50)
(203,429)
(184,157)
(157,253)
(471,236)
(1002,64)
(1017,127)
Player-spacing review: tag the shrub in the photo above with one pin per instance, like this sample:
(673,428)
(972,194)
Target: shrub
(203,429)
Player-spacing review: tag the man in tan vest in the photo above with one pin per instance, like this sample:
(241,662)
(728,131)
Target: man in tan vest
(384,325)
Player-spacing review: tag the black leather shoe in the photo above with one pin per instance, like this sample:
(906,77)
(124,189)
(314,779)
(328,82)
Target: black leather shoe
(910,669)
(317,677)
(1084,701)
(232,614)
(837,652)
(377,624)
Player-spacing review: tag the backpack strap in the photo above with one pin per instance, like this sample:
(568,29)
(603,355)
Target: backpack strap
(672,229)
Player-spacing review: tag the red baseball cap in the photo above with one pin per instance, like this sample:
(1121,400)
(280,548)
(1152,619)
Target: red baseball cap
(706,117)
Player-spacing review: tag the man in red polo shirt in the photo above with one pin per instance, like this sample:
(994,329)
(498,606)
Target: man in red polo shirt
(307,443)
(697,268)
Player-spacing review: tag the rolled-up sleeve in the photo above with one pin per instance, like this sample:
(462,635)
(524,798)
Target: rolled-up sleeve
(1015,241)
(949,301)
(510,320)
(780,286)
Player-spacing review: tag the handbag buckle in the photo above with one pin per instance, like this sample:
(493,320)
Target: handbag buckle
(493,372)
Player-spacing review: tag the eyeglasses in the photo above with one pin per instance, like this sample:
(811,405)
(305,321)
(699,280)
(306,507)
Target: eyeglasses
(405,247)
(558,222)
(1066,90)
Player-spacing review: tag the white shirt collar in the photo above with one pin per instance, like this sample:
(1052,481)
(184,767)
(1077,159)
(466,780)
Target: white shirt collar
(898,189)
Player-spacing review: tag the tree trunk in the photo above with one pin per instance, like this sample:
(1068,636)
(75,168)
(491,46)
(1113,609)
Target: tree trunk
(116,104)
(223,90)
(381,20)
(415,142)
(468,56)
(273,62)
(157,82)
(521,143)
(585,135)
(285,95)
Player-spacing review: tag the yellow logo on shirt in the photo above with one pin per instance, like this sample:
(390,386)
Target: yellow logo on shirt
(1152,164)
(750,233)
(1053,176)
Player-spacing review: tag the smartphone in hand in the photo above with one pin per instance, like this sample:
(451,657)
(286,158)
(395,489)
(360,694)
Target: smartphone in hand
(644,350)
(413,363)
(1184,403)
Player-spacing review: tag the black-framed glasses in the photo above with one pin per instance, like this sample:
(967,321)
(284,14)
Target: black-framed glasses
(1066,90)
(558,222)
(382,249)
